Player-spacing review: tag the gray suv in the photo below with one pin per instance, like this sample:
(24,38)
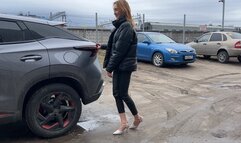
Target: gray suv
(46,73)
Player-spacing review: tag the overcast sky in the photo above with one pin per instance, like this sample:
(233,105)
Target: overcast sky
(167,11)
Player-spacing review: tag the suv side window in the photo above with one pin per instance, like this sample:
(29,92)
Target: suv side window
(216,37)
(204,38)
(40,31)
(141,38)
(10,32)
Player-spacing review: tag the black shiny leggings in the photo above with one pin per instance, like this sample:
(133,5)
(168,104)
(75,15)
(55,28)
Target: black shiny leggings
(121,81)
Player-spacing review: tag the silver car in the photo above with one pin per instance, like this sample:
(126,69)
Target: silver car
(220,44)
(45,74)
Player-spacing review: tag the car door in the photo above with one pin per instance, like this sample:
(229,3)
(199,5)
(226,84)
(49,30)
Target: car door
(214,43)
(201,45)
(143,47)
(22,59)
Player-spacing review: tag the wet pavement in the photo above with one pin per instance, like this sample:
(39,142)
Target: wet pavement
(197,103)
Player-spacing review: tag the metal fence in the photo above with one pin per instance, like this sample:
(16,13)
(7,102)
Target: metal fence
(99,28)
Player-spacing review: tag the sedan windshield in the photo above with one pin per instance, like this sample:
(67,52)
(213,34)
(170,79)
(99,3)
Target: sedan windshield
(160,38)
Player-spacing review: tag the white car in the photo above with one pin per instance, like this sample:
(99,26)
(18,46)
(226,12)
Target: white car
(220,44)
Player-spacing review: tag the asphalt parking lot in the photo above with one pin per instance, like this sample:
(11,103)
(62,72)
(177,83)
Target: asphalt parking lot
(196,103)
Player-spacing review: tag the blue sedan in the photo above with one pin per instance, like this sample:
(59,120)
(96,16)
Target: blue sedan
(160,50)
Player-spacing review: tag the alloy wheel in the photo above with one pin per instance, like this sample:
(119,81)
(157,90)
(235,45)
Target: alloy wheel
(55,111)
(223,57)
(157,59)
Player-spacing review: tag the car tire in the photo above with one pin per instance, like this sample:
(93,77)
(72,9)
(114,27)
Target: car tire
(158,59)
(239,58)
(206,56)
(223,57)
(53,110)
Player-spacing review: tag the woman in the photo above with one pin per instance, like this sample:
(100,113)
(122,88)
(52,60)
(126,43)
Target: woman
(121,60)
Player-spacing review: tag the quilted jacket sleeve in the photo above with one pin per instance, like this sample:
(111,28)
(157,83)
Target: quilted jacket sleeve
(122,45)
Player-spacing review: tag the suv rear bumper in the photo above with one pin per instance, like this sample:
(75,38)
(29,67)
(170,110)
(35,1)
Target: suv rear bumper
(8,118)
(95,96)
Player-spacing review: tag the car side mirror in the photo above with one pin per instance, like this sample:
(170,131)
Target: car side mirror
(196,40)
(146,42)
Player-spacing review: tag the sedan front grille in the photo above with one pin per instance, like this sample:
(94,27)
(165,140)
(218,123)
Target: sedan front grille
(187,51)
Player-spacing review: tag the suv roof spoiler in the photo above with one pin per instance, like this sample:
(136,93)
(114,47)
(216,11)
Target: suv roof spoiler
(32,19)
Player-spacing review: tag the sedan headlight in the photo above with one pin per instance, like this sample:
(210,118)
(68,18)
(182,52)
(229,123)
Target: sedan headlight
(171,50)
(194,51)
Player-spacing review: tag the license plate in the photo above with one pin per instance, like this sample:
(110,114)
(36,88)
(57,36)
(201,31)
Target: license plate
(188,57)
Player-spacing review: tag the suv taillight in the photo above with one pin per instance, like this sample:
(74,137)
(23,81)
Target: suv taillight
(93,49)
(237,45)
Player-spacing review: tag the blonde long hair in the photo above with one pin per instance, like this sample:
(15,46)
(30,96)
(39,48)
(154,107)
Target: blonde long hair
(125,9)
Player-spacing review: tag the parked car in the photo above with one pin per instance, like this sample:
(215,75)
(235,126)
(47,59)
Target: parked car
(161,50)
(220,44)
(46,72)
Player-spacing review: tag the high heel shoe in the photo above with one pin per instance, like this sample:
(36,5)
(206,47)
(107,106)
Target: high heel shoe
(135,124)
(121,130)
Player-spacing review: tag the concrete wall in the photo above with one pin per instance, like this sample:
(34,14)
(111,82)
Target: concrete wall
(178,36)
(90,34)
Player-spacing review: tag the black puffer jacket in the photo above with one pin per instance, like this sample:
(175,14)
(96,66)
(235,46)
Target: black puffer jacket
(121,48)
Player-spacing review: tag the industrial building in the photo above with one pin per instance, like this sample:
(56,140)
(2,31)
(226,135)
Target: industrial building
(157,26)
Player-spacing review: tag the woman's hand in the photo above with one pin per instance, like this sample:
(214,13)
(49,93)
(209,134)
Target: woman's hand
(109,74)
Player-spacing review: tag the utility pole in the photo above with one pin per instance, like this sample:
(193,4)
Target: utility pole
(96,29)
(143,23)
(184,30)
(50,16)
(223,1)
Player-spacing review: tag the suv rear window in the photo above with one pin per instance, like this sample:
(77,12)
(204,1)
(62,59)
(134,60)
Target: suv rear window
(40,31)
(11,32)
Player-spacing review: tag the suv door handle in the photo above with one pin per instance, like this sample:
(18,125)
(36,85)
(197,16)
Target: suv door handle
(218,43)
(204,43)
(31,58)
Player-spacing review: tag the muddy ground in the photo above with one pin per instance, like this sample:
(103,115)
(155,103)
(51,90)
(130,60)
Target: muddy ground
(197,103)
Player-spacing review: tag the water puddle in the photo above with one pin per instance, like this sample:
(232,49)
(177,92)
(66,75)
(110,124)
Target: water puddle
(111,117)
(89,125)
(231,86)
(202,97)
(93,123)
